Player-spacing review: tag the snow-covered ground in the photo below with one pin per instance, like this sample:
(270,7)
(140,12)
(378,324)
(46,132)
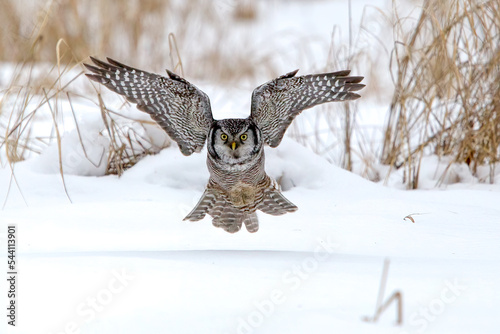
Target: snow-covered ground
(103,254)
(119,259)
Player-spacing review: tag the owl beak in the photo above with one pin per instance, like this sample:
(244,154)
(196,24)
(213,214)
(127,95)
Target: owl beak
(233,145)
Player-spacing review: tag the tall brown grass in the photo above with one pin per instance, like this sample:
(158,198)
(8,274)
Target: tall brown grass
(447,94)
(152,33)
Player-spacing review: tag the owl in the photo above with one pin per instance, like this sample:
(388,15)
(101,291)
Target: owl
(238,185)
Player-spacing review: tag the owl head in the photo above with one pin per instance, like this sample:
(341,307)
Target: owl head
(234,140)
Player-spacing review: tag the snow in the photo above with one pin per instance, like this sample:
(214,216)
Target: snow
(316,270)
(108,254)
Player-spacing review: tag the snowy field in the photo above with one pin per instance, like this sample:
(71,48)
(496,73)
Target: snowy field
(108,254)
(121,260)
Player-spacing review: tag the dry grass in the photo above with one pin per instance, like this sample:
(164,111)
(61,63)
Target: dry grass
(447,96)
(127,146)
(15,137)
(131,30)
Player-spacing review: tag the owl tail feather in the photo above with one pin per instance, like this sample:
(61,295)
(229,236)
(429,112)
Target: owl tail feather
(226,216)
(232,219)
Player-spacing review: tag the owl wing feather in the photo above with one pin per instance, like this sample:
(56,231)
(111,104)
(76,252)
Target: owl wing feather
(208,200)
(274,203)
(180,108)
(276,103)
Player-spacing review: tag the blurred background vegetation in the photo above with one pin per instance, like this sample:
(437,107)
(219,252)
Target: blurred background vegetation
(150,33)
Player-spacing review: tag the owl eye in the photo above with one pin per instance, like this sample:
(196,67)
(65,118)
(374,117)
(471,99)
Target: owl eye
(223,136)
(244,137)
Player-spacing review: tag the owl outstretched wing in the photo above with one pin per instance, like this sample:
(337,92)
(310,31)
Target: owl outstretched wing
(181,109)
(276,103)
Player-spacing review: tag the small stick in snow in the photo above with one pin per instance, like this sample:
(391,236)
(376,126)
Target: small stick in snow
(396,296)
(409,217)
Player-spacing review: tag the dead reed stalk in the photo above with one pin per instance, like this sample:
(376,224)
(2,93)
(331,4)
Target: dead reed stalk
(447,96)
